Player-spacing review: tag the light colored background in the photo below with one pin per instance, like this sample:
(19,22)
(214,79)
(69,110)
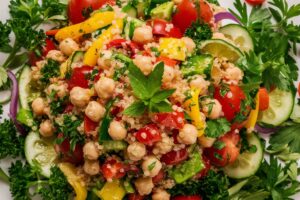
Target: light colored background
(4,189)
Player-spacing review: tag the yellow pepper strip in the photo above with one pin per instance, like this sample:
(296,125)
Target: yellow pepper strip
(193,109)
(92,54)
(74,180)
(172,48)
(253,116)
(112,191)
(92,24)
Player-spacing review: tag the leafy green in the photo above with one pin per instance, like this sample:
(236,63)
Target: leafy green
(49,70)
(4,38)
(25,183)
(103,130)
(213,186)
(147,90)
(216,128)
(214,2)
(199,31)
(197,64)
(11,144)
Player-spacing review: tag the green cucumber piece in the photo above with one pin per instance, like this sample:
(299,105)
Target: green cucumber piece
(128,187)
(24,88)
(131,25)
(111,145)
(280,108)
(197,64)
(239,35)
(130,10)
(295,116)
(39,152)
(247,163)
(163,11)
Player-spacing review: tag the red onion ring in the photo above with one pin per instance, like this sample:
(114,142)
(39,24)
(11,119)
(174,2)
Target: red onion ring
(225,15)
(265,130)
(13,107)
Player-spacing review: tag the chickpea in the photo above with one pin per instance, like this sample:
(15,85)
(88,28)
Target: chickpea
(144,63)
(212,108)
(61,90)
(151,166)
(161,194)
(90,151)
(80,97)
(234,74)
(56,55)
(104,61)
(188,135)
(169,74)
(144,186)
(95,111)
(200,83)
(117,130)
(164,146)
(206,142)
(143,34)
(38,106)
(189,43)
(105,87)
(68,46)
(46,128)
(136,151)
(91,167)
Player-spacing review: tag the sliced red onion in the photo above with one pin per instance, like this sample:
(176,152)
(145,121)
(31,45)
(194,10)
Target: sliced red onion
(265,130)
(13,108)
(225,15)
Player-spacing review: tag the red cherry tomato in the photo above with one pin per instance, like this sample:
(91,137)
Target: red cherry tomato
(173,120)
(89,125)
(135,197)
(148,135)
(187,13)
(222,156)
(65,152)
(77,7)
(69,108)
(159,28)
(159,177)
(193,197)
(113,168)
(255,2)
(231,101)
(264,99)
(79,77)
(206,169)
(167,61)
(49,45)
(175,157)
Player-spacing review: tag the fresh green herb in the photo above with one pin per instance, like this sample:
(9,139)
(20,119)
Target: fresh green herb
(25,182)
(199,31)
(216,128)
(214,2)
(213,186)
(151,166)
(50,70)
(1,110)
(11,144)
(219,144)
(103,130)
(197,64)
(245,146)
(57,106)
(155,50)
(69,130)
(147,90)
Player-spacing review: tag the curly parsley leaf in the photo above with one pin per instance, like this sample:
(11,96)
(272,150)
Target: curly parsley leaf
(199,31)
(4,38)
(216,128)
(49,70)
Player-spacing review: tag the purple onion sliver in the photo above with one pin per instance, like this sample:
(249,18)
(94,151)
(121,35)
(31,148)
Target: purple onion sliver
(225,15)
(265,130)
(13,107)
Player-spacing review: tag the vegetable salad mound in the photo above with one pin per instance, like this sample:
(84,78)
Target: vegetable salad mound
(151,100)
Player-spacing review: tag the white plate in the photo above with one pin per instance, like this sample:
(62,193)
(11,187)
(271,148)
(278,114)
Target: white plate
(4,189)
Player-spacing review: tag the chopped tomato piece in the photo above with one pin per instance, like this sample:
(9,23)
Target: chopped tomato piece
(122,43)
(167,61)
(89,125)
(192,197)
(206,169)
(52,32)
(173,120)
(113,168)
(49,45)
(148,135)
(159,177)
(255,2)
(79,77)
(162,28)
(264,99)
(175,157)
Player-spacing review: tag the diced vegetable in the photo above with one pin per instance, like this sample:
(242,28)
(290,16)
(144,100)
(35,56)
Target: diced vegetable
(114,145)
(131,25)
(252,119)
(24,87)
(163,11)
(112,191)
(25,117)
(197,64)
(173,48)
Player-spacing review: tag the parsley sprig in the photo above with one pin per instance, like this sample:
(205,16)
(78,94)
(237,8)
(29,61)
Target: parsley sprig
(148,91)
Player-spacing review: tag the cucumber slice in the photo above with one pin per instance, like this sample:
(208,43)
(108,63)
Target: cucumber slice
(295,116)
(239,35)
(40,151)
(131,25)
(25,117)
(280,108)
(130,10)
(163,11)
(220,48)
(23,87)
(66,67)
(247,163)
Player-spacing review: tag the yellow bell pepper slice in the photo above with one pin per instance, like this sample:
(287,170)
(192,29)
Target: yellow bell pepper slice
(74,180)
(112,191)
(173,48)
(98,20)
(253,116)
(192,107)
(92,54)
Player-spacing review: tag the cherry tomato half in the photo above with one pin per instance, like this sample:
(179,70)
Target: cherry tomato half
(148,135)
(159,29)
(113,168)
(76,8)
(175,157)
(255,2)
(79,77)
(170,120)
(89,125)
(135,197)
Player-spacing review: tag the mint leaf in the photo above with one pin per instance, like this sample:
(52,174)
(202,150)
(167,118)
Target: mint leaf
(216,128)
(162,95)
(160,107)
(135,109)
(155,78)
(138,82)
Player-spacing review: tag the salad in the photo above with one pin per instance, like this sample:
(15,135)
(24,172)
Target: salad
(150,99)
